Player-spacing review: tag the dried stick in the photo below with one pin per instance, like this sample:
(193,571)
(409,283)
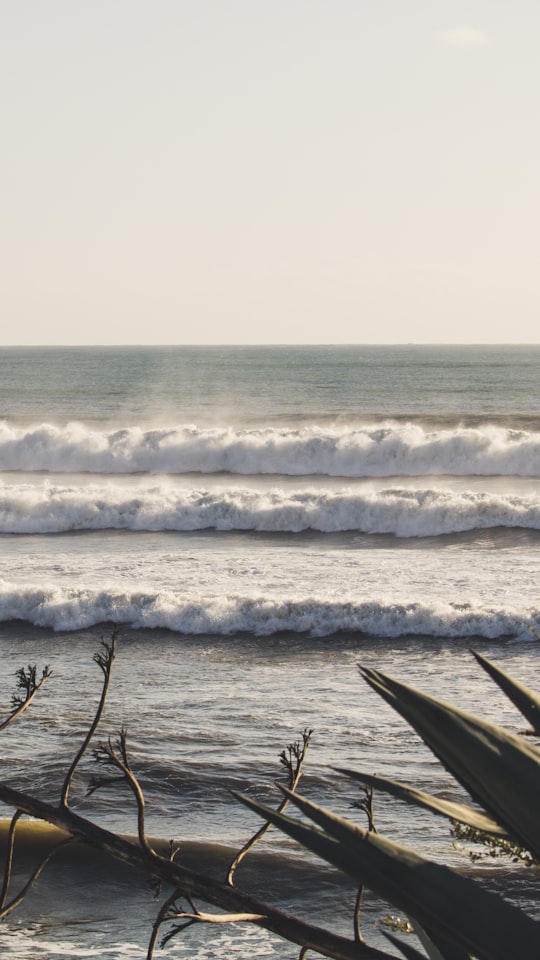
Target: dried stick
(104,660)
(116,754)
(6,910)
(188,884)
(292,759)
(199,886)
(9,857)
(196,916)
(28,683)
(162,917)
(366,805)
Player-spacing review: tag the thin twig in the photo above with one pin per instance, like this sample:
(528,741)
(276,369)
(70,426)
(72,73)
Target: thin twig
(357,914)
(104,660)
(165,915)
(366,805)
(9,857)
(6,910)
(28,683)
(161,917)
(292,759)
(116,753)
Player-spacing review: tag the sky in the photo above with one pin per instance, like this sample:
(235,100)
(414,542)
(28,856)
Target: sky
(294,171)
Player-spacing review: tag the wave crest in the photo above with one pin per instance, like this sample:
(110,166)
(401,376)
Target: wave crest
(47,508)
(61,609)
(391,449)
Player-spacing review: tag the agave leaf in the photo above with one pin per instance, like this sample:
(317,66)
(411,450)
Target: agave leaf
(527,702)
(441,901)
(408,951)
(433,947)
(438,948)
(446,808)
(500,770)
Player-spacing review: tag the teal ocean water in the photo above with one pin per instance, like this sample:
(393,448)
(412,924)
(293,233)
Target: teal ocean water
(256,521)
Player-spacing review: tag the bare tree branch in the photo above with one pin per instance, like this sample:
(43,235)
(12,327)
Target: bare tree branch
(9,857)
(8,908)
(293,760)
(190,883)
(104,660)
(366,805)
(115,752)
(29,685)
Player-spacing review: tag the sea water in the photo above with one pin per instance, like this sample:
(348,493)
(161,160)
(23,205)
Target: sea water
(256,522)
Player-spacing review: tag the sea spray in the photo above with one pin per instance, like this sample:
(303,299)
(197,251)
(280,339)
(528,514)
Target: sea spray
(32,508)
(380,450)
(63,608)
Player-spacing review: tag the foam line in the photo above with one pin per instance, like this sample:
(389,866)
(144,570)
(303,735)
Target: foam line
(62,608)
(390,449)
(46,508)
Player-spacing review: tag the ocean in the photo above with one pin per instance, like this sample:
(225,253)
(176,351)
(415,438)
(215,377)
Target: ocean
(256,521)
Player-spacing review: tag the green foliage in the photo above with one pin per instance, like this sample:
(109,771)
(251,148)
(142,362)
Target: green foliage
(454,916)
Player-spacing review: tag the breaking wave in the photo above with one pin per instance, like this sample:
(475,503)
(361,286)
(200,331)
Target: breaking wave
(380,450)
(47,508)
(61,608)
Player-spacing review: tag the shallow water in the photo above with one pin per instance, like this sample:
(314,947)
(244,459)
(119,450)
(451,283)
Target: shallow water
(208,715)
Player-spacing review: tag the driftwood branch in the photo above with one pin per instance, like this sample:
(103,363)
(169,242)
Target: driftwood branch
(189,882)
(234,904)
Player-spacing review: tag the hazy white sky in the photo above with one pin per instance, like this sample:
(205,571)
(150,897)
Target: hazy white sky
(293,171)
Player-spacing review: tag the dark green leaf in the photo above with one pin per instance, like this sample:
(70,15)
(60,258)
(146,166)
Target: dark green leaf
(500,770)
(527,702)
(448,905)
(409,952)
(446,808)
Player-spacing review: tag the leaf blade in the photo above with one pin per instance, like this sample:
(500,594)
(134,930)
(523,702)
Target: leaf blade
(499,769)
(434,895)
(446,808)
(526,701)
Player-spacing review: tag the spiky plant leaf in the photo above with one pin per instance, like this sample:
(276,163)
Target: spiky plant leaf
(445,951)
(439,948)
(500,770)
(446,904)
(527,702)
(409,952)
(436,948)
(446,808)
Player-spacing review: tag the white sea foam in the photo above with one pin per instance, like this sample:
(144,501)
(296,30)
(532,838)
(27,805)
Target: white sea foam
(64,608)
(377,451)
(49,508)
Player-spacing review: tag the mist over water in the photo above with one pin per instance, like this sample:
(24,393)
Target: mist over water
(404,512)
(386,450)
(262,385)
(256,521)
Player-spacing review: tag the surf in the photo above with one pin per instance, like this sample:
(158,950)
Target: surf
(376,450)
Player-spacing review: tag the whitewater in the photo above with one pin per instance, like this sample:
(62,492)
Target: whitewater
(381,450)
(404,512)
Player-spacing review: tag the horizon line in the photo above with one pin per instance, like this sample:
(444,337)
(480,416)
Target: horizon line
(398,343)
